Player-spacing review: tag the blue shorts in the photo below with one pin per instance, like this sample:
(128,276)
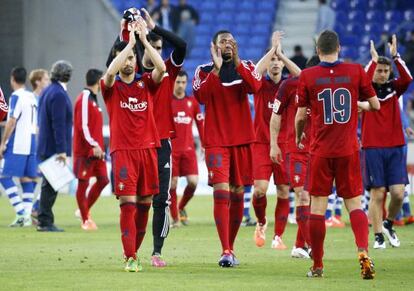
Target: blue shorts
(385,167)
(19,165)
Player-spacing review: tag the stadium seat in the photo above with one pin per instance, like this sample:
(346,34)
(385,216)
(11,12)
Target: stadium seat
(349,40)
(375,16)
(390,27)
(356,16)
(373,28)
(228,6)
(209,6)
(376,4)
(246,6)
(360,5)
(242,29)
(243,17)
(265,5)
(264,17)
(341,17)
(224,18)
(261,30)
(203,29)
(354,28)
(349,52)
(409,15)
(394,16)
(340,29)
(340,5)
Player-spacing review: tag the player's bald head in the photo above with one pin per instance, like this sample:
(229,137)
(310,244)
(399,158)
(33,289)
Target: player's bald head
(328,42)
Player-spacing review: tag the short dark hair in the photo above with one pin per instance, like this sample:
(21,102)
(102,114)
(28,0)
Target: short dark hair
(153,37)
(19,75)
(182,73)
(313,61)
(384,61)
(119,47)
(93,76)
(297,48)
(216,35)
(328,42)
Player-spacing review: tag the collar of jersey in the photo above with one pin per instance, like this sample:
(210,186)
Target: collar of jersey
(137,77)
(326,64)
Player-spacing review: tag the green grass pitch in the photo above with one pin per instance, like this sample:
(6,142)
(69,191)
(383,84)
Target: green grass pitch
(75,260)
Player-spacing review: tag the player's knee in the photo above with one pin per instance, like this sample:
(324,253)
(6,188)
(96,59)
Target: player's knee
(303,199)
(192,183)
(173,185)
(283,192)
(258,192)
(144,199)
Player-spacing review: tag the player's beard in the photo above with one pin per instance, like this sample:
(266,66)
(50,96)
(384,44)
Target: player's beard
(127,71)
(226,57)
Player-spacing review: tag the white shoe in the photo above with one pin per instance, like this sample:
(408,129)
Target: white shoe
(278,244)
(379,245)
(299,253)
(391,236)
(27,221)
(292,218)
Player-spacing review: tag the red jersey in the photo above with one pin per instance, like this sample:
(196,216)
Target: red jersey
(87,125)
(387,121)
(130,110)
(3,106)
(228,120)
(163,96)
(285,104)
(185,111)
(331,91)
(263,105)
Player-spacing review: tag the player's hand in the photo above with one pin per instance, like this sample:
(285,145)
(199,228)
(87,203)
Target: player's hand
(276,154)
(2,149)
(132,39)
(409,131)
(235,50)
(299,143)
(373,51)
(98,153)
(216,56)
(61,158)
(277,38)
(363,106)
(141,29)
(279,52)
(148,20)
(393,46)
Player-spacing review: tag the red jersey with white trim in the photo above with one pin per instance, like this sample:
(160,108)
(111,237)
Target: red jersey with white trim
(163,98)
(3,106)
(285,104)
(87,125)
(331,91)
(130,110)
(383,128)
(263,105)
(185,112)
(228,120)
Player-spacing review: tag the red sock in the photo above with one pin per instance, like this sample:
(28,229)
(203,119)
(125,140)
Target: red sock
(259,205)
(359,224)
(317,231)
(236,216)
(302,219)
(221,217)
(281,215)
(96,190)
(81,198)
(188,194)
(141,220)
(173,205)
(128,229)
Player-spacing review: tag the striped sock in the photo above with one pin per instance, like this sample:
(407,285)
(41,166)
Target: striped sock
(11,191)
(365,201)
(247,198)
(406,205)
(338,205)
(291,203)
(27,196)
(331,202)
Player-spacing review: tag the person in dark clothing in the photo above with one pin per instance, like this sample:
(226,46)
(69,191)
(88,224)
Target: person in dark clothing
(55,135)
(298,58)
(188,18)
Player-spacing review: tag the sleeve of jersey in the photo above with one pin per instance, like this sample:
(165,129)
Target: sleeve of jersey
(279,105)
(252,79)
(302,94)
(3,106)
(86,116)
(149,82)
(401,84)
(370,69)
(366,90)
(172,68)
(106,92)
(14,107)
(202,85)
(58,120)
(199,118)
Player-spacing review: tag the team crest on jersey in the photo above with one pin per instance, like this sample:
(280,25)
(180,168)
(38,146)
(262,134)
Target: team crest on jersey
(296,178)
(189,103)
(84,173)
(140,84)
(210,175)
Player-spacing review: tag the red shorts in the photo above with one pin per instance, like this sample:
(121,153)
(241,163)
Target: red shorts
(85,167)
(346,171)
(230,165)
(263,167)
(184,163)
(135,172)
(298,168)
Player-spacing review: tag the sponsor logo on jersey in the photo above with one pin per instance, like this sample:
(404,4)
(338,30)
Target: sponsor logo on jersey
(121,186)
(182,119)
(275,106)
(189,104)
(140,84)
(133,104)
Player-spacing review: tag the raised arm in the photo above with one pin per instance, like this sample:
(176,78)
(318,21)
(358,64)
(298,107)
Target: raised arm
(403,81)
(263,63)
(119,60)
(293,69)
